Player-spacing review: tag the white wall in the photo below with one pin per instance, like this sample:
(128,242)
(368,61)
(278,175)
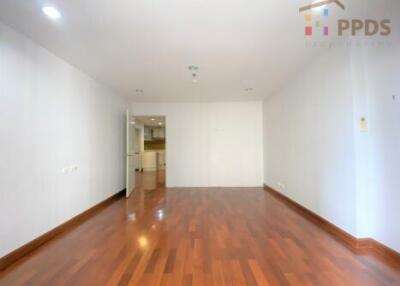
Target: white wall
(211,144)
(308,140)
(379,214)
(314,146)
(52,116)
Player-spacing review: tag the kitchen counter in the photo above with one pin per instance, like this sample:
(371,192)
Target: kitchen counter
(153,160)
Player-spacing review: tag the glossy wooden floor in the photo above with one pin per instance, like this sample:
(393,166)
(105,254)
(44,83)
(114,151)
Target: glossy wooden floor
(209,236)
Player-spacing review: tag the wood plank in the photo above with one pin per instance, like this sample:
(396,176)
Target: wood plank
(207,236)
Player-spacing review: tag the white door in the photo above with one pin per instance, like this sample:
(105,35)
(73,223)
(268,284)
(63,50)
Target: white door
(137,147)
(130,154)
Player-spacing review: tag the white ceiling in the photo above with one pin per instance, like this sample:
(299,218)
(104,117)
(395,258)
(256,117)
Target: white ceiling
(148,44)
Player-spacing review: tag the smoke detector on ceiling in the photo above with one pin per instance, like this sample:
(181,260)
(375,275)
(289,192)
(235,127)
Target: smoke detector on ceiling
(193,69)
(194,78)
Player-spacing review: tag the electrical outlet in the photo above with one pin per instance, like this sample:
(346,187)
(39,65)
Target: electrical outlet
(69,169)
(280,185)
(72,169)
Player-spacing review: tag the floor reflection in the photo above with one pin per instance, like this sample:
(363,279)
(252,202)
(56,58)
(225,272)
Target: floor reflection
(189,236)
(145,210)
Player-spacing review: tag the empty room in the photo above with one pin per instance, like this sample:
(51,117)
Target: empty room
(199,142)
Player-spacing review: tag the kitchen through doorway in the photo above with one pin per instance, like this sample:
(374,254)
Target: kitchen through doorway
(150,150)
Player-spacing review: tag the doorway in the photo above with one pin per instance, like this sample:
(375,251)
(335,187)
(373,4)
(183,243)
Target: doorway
(146,151)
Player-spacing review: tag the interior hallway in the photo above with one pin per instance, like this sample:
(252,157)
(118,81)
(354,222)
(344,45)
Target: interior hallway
(188,236)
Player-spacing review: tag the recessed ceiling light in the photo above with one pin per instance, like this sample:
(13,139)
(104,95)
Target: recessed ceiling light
(153,119)
(160,123)
(51,12)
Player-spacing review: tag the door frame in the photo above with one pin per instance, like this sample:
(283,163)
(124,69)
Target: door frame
(138,140)
(139,114)
(128,135)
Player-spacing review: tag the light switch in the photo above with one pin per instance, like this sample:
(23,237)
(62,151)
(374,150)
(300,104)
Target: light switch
(363,124)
